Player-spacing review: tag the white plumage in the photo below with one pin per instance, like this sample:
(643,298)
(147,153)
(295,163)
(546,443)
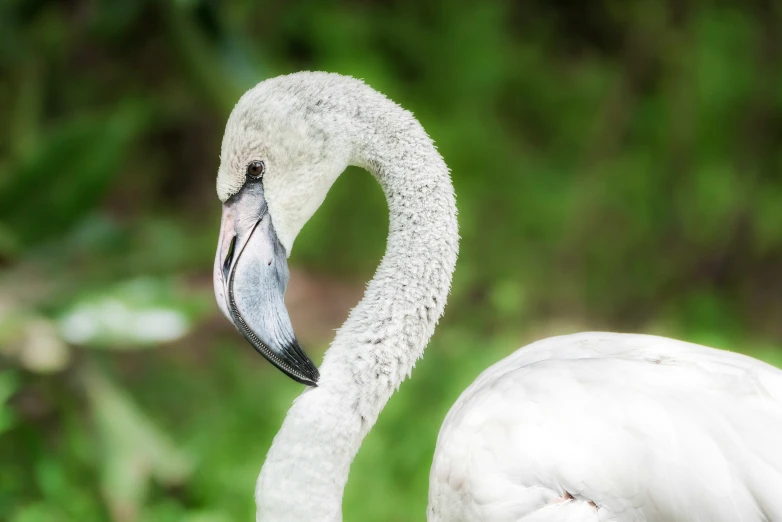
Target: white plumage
(586,427)
(632,427)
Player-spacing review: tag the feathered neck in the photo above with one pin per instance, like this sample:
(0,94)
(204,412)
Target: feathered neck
(307,466)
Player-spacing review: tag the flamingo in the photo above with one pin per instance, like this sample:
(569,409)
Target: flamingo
(585,427)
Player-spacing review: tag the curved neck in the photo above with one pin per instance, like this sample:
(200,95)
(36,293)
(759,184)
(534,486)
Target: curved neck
(306,469)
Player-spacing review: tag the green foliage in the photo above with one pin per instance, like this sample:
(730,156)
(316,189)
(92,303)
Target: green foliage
(41,198)
(618,165)
(8,386)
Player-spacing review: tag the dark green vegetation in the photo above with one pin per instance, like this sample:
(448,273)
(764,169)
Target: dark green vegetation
(616,168)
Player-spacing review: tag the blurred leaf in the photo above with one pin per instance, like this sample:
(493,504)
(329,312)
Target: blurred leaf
(65,173)
(134,449)
(138,313)
(203,62)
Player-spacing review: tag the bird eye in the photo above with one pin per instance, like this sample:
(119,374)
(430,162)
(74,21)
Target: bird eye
(256,169)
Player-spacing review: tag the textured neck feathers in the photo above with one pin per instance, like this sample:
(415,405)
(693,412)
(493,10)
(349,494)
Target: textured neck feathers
(306,469)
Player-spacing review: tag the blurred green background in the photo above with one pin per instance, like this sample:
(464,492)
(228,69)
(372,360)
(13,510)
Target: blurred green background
(618,166)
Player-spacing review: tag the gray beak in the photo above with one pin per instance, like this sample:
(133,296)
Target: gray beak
(250,278)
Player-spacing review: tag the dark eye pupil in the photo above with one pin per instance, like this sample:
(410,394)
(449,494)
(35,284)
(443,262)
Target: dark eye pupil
(255,169)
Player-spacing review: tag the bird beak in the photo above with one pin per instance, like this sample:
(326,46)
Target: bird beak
(250,278)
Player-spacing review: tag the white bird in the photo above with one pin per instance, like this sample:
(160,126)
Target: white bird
(587,427)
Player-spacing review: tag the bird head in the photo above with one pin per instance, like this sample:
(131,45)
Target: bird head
(281,152)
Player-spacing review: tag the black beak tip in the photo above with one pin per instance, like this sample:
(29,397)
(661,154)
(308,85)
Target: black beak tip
(311,381)
(302,370)
(307,379)
(305,370)
(291,360)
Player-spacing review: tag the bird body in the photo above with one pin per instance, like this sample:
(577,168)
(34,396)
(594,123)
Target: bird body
(621,427)
(579,428)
